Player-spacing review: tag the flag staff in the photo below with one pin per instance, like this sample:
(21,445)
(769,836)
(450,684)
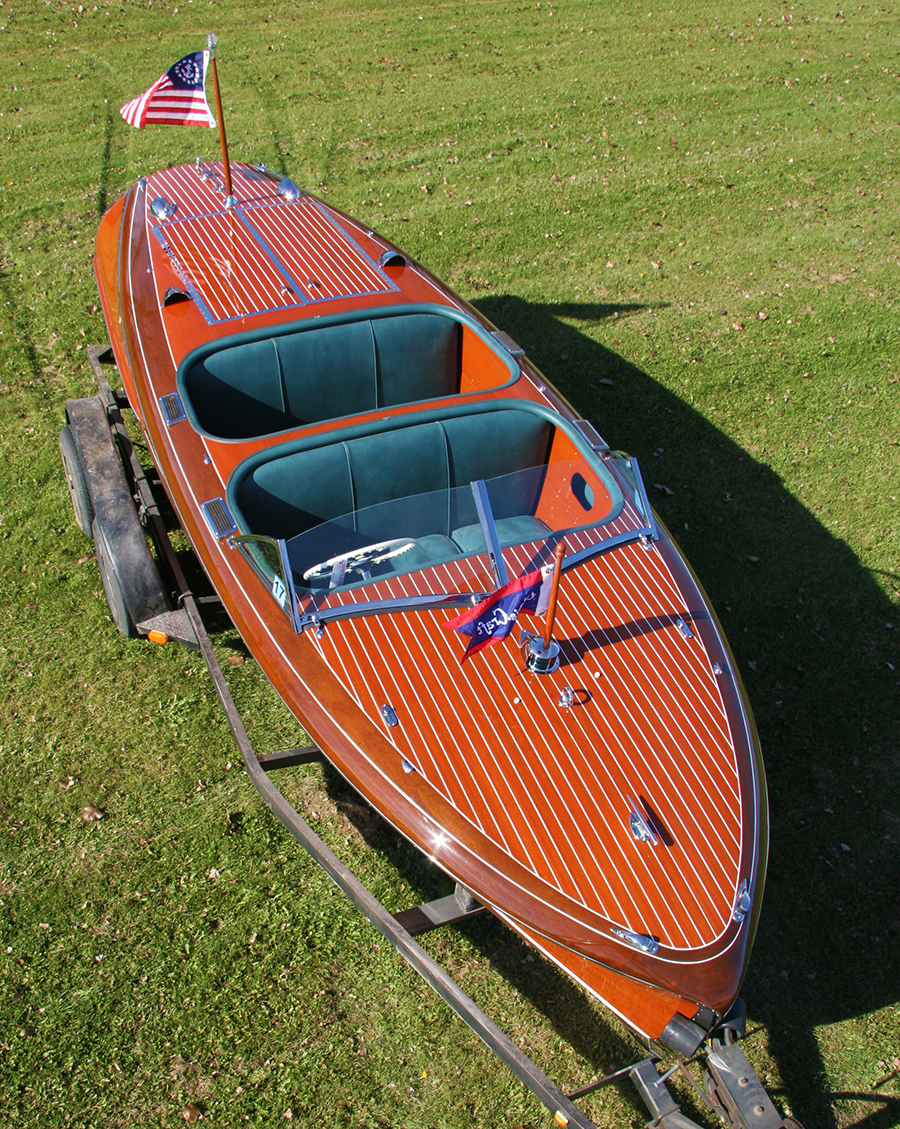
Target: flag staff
(211,42)
(554,590)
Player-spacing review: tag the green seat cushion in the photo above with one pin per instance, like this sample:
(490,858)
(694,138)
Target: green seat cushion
(320,372)
(328,372)
(237,392)
(510,531)
(417,357)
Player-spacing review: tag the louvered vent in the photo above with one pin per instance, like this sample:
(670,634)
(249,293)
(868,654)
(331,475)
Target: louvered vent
(173,409)
(220,520)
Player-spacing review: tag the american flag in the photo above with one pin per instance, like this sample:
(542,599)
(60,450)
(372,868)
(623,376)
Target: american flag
(177,98)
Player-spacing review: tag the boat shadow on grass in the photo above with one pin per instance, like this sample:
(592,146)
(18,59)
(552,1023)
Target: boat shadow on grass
(808,626)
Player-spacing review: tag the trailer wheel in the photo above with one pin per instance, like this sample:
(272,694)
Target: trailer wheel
(82,503)
(112,586)
(131,581)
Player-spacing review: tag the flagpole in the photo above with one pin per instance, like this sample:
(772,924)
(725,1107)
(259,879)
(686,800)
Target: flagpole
(211,42)
(554,590)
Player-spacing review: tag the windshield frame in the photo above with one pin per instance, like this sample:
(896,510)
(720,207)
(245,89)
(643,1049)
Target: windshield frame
(624,467)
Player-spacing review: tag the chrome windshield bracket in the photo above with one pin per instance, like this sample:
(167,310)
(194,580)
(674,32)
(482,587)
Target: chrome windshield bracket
(483,505)
(644,500)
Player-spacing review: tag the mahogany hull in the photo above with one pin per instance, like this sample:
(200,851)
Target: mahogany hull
(528,803)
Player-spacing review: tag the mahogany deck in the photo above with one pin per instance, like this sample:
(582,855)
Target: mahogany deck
(524,801)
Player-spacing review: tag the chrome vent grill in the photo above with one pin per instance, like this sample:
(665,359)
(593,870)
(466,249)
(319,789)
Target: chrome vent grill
(219,518)
(172,407)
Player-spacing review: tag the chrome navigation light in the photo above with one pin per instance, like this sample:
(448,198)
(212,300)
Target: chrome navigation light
(163,208)
(288,189)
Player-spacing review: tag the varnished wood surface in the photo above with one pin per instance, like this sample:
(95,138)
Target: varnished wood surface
(524,802)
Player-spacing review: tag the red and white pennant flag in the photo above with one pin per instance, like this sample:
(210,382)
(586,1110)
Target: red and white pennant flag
(176,98)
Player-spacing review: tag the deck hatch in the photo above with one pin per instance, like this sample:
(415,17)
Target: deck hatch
(219,517)
(173,408)
(267,255)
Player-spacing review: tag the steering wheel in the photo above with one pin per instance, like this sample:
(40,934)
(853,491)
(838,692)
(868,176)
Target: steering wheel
(362,559)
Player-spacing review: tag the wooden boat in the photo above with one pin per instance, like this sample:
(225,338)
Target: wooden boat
(357,457)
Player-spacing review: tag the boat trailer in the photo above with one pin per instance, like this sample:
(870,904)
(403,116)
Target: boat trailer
(115,503)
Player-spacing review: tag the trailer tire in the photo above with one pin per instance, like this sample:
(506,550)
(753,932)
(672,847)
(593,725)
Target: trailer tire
(82,502)
(131,581)
(112,586)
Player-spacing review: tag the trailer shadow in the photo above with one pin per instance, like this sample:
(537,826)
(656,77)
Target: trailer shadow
(582,1024)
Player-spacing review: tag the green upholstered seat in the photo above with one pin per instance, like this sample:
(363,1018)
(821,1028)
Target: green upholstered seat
(320,372)
(290,489)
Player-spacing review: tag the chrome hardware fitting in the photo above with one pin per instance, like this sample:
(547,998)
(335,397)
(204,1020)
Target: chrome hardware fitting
(407,767)
(172,407)
(174,295)
(391,259)
(504,339)
(638,941)
(744,902)
(717,669)
(219,517)
(288,189)
(594,438)
(684,628)
(538,658)
(566,698)
(389,714)
(640,827)
(162,208)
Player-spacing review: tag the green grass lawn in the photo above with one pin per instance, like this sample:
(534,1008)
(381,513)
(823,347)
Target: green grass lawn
(690,220)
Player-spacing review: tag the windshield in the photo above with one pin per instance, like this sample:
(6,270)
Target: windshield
(410,534)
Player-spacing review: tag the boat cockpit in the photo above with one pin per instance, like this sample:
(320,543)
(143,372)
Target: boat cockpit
(261,382)
(397,498)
